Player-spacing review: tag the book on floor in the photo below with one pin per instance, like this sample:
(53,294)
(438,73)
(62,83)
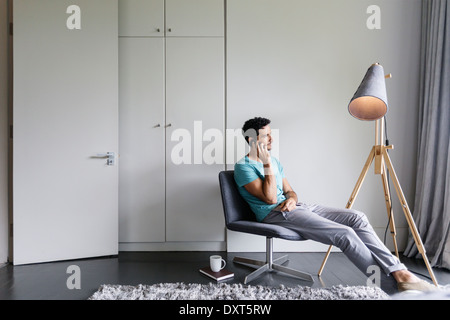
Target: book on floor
(221,275)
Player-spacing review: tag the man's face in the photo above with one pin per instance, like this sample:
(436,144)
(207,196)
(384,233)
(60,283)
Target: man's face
(265,137)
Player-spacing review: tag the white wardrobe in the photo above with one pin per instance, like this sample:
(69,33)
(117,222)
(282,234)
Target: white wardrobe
(171,93)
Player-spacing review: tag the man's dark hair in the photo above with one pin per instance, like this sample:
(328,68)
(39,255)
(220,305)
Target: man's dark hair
(251,127)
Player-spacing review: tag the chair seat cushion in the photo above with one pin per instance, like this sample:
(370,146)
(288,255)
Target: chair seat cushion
(264,229)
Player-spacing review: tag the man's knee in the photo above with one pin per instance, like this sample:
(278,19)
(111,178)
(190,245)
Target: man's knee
(345,238)
(358,219)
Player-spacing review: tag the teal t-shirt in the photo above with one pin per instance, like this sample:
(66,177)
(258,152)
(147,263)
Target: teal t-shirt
(246,171)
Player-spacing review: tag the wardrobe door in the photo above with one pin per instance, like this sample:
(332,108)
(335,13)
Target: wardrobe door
(194,155)
(142,145)
(198,18)
(141,18)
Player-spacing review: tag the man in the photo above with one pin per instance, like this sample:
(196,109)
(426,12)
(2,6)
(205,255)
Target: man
(263,184)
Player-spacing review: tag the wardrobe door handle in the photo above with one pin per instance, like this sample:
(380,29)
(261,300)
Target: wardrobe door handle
(168,125)
(157,126)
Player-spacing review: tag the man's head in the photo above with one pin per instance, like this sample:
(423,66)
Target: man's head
(257,130)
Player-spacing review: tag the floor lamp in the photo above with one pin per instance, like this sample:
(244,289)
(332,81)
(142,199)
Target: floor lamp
(370,104)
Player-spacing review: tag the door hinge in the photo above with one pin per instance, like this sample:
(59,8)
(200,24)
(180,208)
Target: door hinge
(11,131)
(11,28)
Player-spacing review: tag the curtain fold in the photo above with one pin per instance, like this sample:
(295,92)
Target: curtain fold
(432,198)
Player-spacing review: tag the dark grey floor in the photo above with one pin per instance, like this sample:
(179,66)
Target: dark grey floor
(47,281)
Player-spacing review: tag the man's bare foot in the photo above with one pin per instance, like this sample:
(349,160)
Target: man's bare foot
(408,281)
(404,276)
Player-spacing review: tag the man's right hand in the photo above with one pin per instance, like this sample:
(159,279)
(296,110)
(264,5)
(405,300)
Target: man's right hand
(264,154)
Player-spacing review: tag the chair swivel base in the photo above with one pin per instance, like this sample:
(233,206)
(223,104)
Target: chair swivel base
(270,265)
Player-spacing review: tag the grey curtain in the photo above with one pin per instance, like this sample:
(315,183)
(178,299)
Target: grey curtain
(432,198)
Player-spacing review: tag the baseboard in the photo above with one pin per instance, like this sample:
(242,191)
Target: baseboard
(172,246)
(243,242)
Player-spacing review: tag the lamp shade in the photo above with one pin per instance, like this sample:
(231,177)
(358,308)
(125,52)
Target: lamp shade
(370,100)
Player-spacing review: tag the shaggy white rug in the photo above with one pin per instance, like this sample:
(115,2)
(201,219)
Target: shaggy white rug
(224,291)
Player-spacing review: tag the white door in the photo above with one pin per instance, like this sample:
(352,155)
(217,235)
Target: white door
(65,199)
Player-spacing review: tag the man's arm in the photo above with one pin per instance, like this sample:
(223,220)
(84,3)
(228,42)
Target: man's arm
(288,191)
(265,190)
(291,197)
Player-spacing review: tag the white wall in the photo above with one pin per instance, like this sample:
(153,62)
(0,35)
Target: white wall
(299,63)
(3,132)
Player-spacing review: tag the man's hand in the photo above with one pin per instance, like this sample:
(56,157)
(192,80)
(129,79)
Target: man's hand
(288,205)
(263,153)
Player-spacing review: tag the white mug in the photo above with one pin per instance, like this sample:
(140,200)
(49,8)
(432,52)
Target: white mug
(216,263)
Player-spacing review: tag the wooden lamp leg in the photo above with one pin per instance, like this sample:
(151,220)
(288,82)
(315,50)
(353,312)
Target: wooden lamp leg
(408,215)
(324,260)
(383,162)
(387,197)
(353,196)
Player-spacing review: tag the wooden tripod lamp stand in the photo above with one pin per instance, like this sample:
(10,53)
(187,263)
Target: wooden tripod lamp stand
(370,103)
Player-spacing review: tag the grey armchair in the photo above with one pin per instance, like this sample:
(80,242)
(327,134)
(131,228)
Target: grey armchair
(239,217)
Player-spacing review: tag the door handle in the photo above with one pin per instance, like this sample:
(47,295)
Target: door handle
(168,125)
(110,156)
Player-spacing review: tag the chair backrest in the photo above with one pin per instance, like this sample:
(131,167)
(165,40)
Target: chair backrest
(235,207)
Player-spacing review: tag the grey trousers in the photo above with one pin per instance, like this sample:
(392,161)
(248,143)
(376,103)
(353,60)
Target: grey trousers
(347,229)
